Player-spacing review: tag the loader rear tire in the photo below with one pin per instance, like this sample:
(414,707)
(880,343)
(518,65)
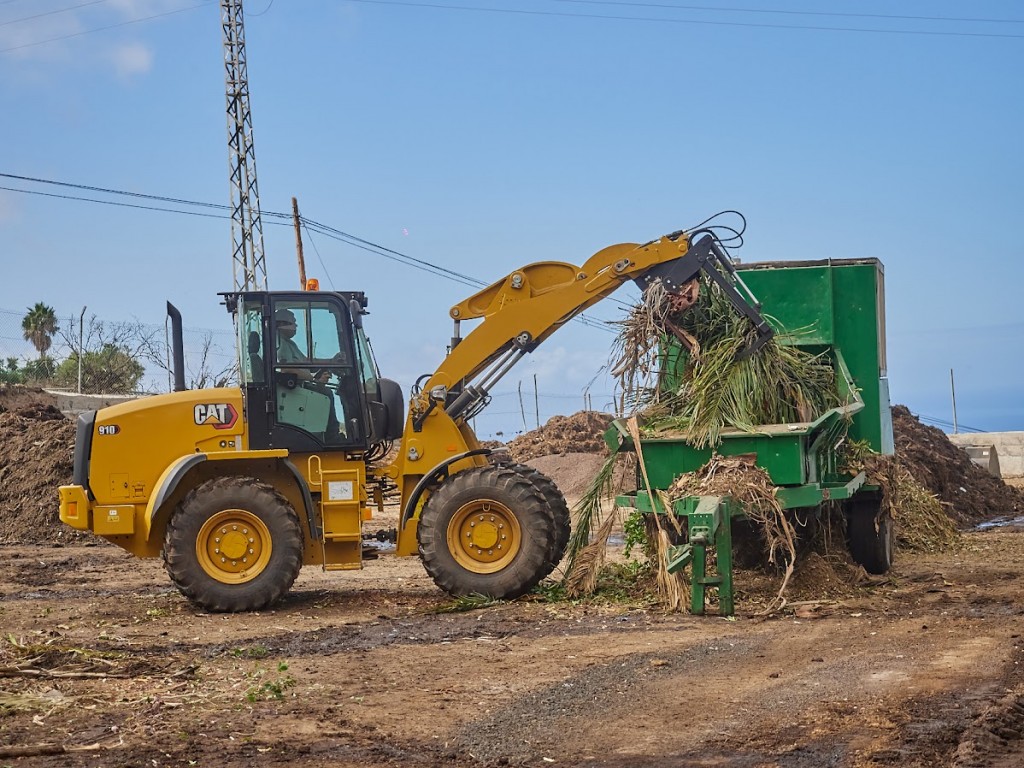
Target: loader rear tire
(870,533)
(487,531)
(233,544)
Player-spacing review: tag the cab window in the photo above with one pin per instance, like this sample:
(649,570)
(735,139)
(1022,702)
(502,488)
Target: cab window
(313,370)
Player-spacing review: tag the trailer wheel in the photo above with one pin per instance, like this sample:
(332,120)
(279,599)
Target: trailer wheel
(486,531)
(558,509)
(870,533)
(233,544)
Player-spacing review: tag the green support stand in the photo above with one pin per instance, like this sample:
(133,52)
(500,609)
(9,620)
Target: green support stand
(709,526)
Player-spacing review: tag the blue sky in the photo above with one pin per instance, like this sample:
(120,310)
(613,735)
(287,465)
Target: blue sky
(482,140)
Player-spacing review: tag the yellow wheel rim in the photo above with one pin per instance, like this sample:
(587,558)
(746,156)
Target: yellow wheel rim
(234,546)
(484,536)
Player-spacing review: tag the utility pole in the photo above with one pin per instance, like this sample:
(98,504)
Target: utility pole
(536,401)
(952,390)
(298,244)
(81,324)
(249,268)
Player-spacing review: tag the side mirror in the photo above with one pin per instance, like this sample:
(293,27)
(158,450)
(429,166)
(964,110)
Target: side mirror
(387,415)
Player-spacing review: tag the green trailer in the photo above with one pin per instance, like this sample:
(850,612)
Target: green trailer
(834,307)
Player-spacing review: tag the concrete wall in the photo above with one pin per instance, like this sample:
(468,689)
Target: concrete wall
(72,404)
(1009,446)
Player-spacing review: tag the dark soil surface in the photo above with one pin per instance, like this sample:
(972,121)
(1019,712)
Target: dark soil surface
(106,660)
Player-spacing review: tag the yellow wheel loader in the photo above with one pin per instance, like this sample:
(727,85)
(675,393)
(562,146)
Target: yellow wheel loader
(237,488)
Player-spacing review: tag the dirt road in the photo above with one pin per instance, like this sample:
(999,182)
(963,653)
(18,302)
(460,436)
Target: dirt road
(100,655)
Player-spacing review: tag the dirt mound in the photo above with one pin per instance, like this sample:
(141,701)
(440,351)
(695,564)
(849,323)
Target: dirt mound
(36,450)
(582,432)
(15,397)
(573,473)
(969,493)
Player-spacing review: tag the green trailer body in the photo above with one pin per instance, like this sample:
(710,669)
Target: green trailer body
(834,307)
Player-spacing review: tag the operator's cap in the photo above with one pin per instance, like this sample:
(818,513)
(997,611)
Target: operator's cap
(284,316)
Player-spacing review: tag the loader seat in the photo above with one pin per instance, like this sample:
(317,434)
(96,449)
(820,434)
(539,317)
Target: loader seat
(255,360)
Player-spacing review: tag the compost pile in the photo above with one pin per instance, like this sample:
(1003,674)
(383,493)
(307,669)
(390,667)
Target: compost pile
(582,432)
(36,452)
(967,491)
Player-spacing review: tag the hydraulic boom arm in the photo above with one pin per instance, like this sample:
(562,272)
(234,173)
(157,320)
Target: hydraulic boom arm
(528,305)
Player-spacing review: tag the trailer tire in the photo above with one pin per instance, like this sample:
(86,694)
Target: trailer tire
(486,531)
(233,544)
(870,533)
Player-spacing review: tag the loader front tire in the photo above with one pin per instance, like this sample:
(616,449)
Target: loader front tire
(557,507)
(233,544)
(487,531)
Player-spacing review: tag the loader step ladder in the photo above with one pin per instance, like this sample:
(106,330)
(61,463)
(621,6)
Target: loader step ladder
(341,513)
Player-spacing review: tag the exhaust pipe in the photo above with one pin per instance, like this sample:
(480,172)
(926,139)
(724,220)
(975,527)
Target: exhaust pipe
(177,348)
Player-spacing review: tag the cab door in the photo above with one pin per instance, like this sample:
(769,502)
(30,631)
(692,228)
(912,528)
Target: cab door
(300,372)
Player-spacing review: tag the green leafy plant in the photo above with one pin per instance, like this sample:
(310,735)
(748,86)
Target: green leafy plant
(250,652)
(634,531)
(266,690)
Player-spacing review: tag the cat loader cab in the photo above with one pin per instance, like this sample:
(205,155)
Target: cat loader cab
(308,375)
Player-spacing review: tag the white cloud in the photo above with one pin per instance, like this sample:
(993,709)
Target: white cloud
(50,35)
(131,59)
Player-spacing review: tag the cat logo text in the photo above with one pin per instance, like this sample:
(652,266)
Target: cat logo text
(217,415)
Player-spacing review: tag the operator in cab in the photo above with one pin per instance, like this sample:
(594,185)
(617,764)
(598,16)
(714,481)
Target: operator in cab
(288,352)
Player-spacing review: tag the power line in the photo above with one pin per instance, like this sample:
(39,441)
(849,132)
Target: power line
(668,20)
(113,202)
(51,13)
(833,14)
(283,219)
(945,423)
(103,29)
(109,191)
(316,250)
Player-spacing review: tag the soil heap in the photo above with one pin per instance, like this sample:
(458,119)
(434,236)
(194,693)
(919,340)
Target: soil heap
(582,432)
(969,493)
(37,446)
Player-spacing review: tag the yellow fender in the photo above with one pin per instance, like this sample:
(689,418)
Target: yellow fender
(176,471)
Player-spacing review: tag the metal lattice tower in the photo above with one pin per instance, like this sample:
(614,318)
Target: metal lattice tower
(248,263)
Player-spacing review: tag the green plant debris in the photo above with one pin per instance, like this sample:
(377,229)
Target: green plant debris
(681,366)
(269,689)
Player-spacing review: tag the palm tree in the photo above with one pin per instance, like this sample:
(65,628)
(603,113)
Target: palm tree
(38,326)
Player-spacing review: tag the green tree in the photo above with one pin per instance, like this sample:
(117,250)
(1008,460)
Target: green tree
(11,374)
(40,370)
(112,370)
(38,326)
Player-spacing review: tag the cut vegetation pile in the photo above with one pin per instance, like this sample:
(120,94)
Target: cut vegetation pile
(717,383)
(36,451)
(581,432)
